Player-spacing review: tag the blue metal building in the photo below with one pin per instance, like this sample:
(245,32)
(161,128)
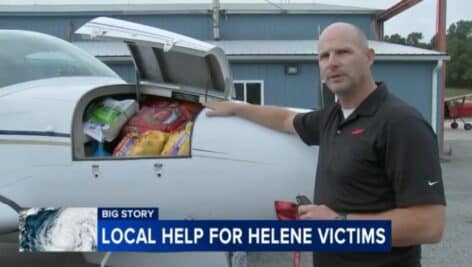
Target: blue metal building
(271,49)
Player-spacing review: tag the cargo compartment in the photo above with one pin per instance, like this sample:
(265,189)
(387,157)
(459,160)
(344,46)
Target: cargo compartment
(113,123)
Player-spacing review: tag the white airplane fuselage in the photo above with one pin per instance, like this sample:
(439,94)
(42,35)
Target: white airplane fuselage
(236,169)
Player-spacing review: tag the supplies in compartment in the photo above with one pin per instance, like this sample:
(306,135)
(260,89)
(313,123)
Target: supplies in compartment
(161,115)
(147,144)
(96,149)
(105,119)
(161,128)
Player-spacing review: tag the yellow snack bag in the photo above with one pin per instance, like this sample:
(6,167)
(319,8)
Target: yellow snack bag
(178,143)
(150,143)
(126,145)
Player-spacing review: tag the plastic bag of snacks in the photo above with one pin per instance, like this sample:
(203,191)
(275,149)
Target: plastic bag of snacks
(161,115)
(178,143)
(105,120)
(150,143)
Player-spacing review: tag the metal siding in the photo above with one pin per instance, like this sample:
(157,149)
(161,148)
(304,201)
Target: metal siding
(286,27)
(233,26)
(410,81)
(302,89)
(299,90)
(279,88)
(56,26)
(197,26)
(124,69)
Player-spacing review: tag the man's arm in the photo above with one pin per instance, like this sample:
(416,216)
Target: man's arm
(414,225)
(410,226)
(276,118)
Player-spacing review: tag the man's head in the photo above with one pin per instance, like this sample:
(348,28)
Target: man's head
(344,58)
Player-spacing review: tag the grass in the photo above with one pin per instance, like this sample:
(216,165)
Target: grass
(450,91)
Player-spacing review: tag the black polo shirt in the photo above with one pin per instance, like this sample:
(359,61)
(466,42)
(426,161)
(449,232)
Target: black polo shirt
(383,156)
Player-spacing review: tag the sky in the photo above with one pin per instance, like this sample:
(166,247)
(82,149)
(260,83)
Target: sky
(419,18)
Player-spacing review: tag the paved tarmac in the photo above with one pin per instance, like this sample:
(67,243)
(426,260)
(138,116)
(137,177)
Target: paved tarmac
(454,250)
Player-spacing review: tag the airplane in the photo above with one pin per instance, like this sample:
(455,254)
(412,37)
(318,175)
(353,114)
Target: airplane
(235,169)
(458,107)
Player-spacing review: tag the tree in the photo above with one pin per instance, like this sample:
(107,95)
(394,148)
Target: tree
(414,38)
(395,38)
(459,48)
(432,42)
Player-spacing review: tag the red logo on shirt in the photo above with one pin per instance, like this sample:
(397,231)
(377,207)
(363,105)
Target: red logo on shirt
(357,131)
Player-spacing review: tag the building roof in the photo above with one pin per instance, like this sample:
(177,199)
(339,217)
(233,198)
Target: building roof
(267,50)
(188,8)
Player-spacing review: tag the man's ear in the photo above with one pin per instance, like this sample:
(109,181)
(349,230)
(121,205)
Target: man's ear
(370,56)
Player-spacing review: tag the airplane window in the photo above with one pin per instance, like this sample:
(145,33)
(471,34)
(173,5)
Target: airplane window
(27,56)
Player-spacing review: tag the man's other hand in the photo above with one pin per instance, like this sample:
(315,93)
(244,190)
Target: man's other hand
(316,212)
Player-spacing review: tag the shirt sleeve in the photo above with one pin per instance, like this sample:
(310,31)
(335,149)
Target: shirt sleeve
(307,126)
(412,163)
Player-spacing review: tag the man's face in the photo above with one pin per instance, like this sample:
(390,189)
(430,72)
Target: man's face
(343,63)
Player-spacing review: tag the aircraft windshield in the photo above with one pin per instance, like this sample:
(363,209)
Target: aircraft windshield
(27,56)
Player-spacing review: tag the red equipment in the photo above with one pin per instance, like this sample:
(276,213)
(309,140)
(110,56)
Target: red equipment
(458,107)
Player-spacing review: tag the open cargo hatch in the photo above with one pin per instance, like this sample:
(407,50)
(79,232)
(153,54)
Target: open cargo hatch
(186,68)
(155,118)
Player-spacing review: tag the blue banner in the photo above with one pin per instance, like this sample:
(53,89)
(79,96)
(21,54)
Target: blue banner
(150,234)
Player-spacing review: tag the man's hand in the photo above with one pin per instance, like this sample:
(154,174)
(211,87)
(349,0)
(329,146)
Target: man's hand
(220,108)
(316,212)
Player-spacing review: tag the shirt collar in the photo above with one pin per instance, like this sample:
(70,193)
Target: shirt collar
(371,104)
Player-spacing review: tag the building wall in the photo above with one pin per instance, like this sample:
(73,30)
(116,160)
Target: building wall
(299,90)
(287,26)
(280,88)
(63,26)
(124,69)
(409,80)
(233,26)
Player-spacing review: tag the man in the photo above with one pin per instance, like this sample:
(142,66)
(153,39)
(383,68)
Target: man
(378,158)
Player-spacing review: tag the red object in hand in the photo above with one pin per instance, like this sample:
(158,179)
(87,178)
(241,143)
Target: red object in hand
(287,210)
